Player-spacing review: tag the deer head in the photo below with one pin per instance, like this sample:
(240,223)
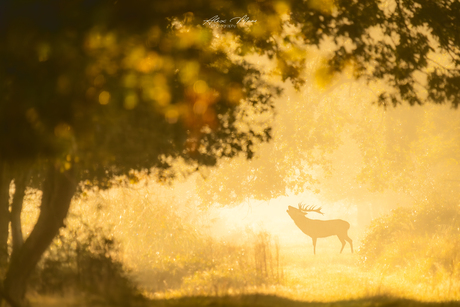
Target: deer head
(302,211)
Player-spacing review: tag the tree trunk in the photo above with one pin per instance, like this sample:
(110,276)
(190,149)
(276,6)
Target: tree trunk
(4,220)
(5,181)
(16,208)
(58,190)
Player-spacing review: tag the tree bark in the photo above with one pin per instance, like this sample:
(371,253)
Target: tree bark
(58,190)
(16,208)
(5,180)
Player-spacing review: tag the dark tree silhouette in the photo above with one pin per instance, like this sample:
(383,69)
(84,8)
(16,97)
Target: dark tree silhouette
(94,89)
(412,45)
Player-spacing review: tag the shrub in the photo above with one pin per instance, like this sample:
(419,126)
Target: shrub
(422,241)
(82,262)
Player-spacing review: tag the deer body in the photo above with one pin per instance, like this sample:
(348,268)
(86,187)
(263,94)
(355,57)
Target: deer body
(320,229)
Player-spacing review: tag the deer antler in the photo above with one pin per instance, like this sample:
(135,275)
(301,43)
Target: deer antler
(305,209)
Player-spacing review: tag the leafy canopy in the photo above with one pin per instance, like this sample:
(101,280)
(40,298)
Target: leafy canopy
(114,86)
(409,52)
(412,45)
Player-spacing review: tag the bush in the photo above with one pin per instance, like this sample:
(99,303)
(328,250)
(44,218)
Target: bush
(422,241)
(82,262)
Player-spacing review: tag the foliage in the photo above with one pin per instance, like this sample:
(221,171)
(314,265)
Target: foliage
(413,150)
(401,55)
(168,80)
(421,241)
(406,42)
(307,130)
(83,262)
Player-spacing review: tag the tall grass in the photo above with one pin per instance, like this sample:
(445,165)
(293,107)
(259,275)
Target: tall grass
(168,246)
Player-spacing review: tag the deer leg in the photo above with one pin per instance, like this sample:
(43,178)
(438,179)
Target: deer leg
(343,243)
(350,241)
(314,245)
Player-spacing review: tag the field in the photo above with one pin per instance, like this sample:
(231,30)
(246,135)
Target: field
(325,279)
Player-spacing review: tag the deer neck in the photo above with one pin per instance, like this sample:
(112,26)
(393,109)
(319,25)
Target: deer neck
(304,223)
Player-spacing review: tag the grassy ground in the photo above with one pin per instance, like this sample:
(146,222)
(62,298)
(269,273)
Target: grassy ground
(274,301)
(325,279)
(331,279)
(253,300)
(222,271)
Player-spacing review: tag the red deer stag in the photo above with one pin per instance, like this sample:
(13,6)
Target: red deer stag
(317,228)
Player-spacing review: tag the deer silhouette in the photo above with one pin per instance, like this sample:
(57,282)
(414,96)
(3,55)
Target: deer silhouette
(318,228)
